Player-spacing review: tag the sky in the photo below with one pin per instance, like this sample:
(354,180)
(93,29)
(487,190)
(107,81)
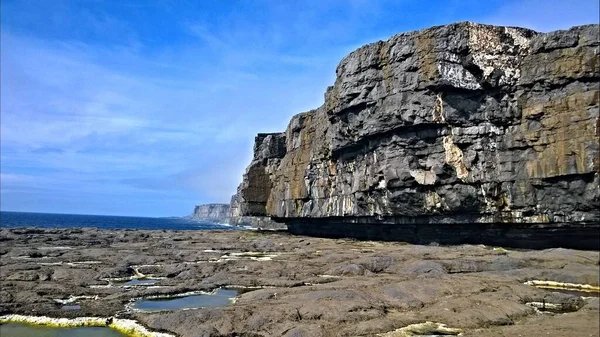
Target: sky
(149,107)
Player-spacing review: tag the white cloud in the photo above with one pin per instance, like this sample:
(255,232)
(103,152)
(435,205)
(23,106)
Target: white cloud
(74,114)
(97,106)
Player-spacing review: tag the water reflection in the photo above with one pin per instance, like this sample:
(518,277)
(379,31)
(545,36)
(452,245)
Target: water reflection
(218,298)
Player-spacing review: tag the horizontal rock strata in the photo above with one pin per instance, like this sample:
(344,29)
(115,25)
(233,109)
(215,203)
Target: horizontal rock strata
(212,212)
(440,135)
(248,206)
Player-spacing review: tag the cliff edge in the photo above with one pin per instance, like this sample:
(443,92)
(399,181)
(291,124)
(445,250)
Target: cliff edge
(218,213)
(248,204)
(453,134)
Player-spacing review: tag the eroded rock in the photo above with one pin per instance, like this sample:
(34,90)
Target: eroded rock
(218,213)
(464,133)
(378,287)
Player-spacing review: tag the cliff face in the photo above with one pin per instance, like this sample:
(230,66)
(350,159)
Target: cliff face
(212,212)
(248,205)
(236,218)
(457,124)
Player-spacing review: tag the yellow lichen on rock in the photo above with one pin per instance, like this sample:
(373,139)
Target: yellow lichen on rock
(384,60)
(425,44)
(454,157)
(561,142)
(433,201)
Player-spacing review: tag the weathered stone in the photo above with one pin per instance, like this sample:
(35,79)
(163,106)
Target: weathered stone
(218,213)
(248,205)
(324,287)
(460,124)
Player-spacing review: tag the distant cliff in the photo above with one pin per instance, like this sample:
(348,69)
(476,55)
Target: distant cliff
(212,212)
(457,133)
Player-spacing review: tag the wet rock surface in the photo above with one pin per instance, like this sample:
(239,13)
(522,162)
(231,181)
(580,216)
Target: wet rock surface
(453,134)
(307,286)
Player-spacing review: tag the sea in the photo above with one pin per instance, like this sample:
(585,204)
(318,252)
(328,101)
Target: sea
(52,220)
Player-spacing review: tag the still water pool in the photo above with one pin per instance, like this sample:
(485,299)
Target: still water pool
(24,330)
(218,298)
(140,282)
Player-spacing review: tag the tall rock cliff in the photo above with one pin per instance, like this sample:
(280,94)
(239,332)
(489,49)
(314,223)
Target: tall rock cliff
(457,133)
(218,213)
(248,205)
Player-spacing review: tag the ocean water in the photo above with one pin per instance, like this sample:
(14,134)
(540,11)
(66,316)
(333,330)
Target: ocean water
(48,220)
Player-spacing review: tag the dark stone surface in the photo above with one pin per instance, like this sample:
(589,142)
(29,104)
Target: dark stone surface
(314,286)
(530,236)
(467,123)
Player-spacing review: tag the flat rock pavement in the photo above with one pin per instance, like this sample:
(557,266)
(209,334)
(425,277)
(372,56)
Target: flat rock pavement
(299,286)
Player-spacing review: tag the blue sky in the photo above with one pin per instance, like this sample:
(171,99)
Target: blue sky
(149,107)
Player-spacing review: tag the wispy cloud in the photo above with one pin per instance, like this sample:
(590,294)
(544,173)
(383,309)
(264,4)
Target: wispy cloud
(93,112)
(130,108)
(47,149)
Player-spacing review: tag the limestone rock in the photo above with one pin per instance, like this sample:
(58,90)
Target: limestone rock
(218,213)
(248,205)
(457,124)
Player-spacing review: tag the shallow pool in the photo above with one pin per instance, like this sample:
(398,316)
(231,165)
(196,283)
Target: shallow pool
(218,298)
(140,282)
(24,330)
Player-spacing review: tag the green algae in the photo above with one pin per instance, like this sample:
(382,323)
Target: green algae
(126,327)
(28,330)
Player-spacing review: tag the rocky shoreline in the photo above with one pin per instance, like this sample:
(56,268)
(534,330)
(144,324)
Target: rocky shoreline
(299,286)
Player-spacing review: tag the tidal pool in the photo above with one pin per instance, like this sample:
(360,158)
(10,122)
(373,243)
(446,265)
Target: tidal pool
(140,282)
(25,330)
(71,307)
(218,298)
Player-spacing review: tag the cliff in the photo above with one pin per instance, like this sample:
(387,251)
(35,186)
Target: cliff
(248,205)
(218,213)
(457,133)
